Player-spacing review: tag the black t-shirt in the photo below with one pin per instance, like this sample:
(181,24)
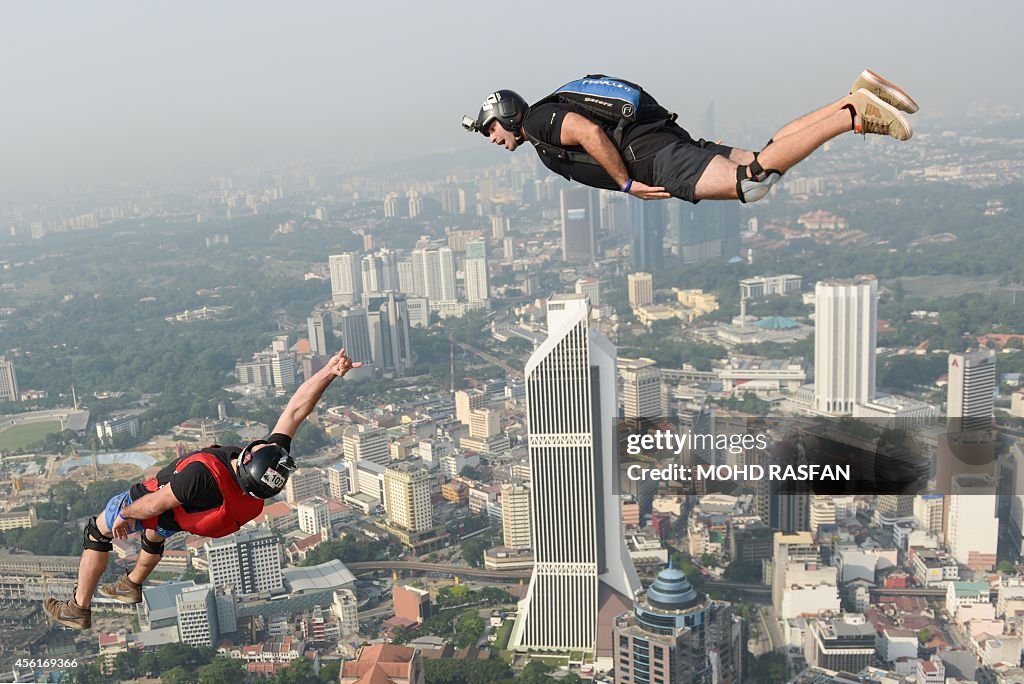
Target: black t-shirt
(543,123)
(195,486)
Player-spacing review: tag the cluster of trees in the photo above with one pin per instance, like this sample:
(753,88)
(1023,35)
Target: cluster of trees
(473,548)
(463,626)
(350,549)
(460,595)
(183,664)
(494,671)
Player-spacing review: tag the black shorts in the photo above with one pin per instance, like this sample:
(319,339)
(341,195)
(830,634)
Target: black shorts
(678,166)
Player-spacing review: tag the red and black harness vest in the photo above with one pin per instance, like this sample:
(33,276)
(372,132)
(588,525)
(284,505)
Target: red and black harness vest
(236,509)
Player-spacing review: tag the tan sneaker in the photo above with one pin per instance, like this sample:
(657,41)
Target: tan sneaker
(886,90)
(123,590)
(872,115)
(68,613)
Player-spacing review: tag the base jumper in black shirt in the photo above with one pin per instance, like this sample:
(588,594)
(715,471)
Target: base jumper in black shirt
(658,160)
(211,492)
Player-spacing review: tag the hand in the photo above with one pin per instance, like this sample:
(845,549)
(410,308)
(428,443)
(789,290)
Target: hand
(340,364)
(122,527)
(647,192)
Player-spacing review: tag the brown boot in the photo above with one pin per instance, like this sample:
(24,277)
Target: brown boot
(123,590)
(68,613)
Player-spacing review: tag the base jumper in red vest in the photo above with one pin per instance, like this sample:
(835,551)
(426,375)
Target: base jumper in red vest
(211,492)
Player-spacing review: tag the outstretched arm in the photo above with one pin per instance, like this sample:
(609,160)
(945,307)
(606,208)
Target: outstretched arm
(579,130)
(309,392)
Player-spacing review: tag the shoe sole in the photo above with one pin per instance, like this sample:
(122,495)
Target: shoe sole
(120,597)
(903,100)
(879,102)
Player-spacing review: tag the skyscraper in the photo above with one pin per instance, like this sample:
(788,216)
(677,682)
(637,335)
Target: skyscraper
(478,287)
(355,334)
(648,225)
(641,388)
(388,325)
(970,394)
(640,289)
(434,274)
(675,634)
(583,576)
(515,516)
(845,320)
(346,283)
(705,231)
(579,223)
(321,342)
(8,381)
(407,498)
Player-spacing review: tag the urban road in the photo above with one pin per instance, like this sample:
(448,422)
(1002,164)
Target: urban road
(465,572)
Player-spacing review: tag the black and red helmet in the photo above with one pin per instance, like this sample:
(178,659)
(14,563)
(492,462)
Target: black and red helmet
(264,472)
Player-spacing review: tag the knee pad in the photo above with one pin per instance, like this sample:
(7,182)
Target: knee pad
(757,186)
(155,548)
(94,540)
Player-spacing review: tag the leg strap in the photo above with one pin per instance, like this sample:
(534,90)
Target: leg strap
(155,548)
(94,540)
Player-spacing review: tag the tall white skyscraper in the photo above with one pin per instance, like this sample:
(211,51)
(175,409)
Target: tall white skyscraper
(8,381)
(583,574)
(970,397)
(434,271)
(249,561)
(346,283)
(478,286)
(845,320)
(372,274)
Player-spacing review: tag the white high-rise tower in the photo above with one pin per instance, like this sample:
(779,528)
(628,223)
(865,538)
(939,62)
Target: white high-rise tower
(582,575)
(478,289)
(845,318)
(346,281)
(970,394)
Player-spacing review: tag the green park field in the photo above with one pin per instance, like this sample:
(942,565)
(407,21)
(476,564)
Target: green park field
(21,436)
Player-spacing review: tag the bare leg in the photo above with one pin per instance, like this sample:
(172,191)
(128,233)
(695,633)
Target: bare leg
(719,178)
(147,562)
(91,568)
(804,121)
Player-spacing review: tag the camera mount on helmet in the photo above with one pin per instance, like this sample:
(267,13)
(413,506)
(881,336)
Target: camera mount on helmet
(505,106)
(264,472)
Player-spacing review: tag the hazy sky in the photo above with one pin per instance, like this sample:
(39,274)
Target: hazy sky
(100,89)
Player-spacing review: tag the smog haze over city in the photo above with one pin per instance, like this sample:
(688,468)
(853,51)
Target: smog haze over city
(109,91)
